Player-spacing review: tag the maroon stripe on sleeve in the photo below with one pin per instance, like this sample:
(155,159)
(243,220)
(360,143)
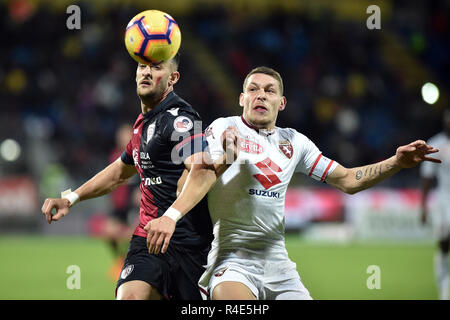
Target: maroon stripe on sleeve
(315,164)
(326,171)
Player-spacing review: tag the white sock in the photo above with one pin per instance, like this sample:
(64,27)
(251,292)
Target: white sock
(441,272)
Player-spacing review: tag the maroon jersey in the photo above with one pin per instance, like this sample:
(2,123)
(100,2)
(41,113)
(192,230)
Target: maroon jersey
(162,139)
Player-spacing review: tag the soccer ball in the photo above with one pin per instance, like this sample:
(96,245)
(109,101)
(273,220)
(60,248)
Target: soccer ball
(152,37)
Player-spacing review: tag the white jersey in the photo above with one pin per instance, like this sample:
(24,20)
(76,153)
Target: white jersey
(440,215)
(247,202)
(440,171)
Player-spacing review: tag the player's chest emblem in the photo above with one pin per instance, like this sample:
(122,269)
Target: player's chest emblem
(286,147)
(150,131)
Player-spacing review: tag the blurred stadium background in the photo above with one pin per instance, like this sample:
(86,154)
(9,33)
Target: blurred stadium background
(355,92)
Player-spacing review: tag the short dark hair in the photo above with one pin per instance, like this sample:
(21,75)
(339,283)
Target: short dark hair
(266,70)
(176,60)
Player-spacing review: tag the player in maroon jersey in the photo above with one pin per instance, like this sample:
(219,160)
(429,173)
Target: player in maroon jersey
(167,138)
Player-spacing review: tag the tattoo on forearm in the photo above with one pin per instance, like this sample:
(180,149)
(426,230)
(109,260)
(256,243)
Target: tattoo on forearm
(377,169)
(359,174)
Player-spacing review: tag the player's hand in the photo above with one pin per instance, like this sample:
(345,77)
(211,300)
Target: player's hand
(160,231)
(231,143)
(61,206)
(414,153)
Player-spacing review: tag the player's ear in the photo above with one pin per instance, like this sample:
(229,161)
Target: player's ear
(174,77)
(283,103)
(241,100)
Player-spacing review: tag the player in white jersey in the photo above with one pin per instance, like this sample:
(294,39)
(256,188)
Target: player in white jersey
(249,226)
(441,211)
(248,258)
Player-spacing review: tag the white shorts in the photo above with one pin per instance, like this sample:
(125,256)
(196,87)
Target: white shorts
(275,279)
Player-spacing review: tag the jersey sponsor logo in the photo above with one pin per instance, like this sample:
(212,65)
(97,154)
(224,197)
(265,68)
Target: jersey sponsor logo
(146,163)
(286,147)
(250,146)
(126,271)
(182,124)
(151,181)
(268,179)
(150,131)
(145,156)
(264,193)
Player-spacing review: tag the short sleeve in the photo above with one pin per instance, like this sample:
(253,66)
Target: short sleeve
(127,158)
(311,161)
(127,154)
(213,135)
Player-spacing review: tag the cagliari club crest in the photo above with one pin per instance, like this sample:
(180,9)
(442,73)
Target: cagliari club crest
(286,147)
(150,131)
(126,271)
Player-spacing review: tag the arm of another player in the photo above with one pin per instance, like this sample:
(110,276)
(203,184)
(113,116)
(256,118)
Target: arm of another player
(114,175)
(203,173)
(357,179)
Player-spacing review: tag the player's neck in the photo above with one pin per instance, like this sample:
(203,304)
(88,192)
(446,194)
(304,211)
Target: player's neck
(150,102)
(256,126)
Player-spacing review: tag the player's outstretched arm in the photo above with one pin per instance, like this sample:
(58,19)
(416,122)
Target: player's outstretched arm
(203,174)
(357,179)
(114,175)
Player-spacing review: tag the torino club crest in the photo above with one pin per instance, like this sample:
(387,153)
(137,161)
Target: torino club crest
(286,147)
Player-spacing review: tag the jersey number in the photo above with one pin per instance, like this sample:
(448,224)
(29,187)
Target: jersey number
(268,178)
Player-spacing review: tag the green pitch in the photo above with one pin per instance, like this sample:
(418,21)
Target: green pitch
(341,271)
(36,268)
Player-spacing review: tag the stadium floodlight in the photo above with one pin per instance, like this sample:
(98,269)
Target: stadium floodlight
(430,93)
(10,150)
